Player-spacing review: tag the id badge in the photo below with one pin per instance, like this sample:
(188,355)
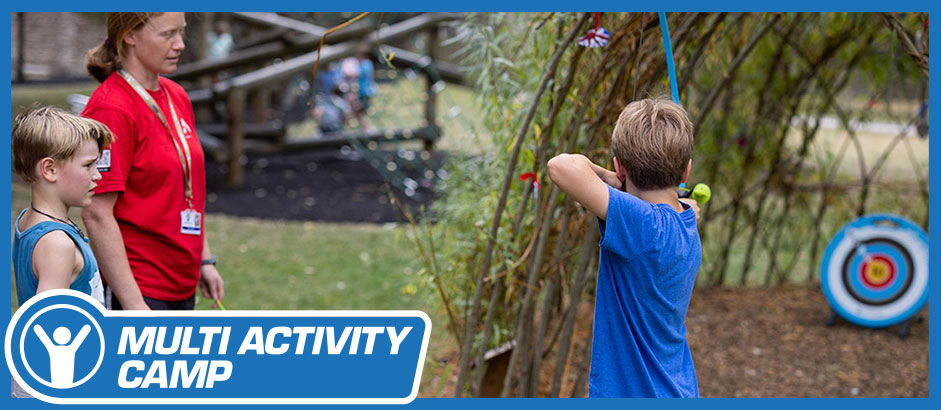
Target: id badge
(190,222)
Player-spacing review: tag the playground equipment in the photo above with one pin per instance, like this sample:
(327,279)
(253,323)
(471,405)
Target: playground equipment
(234,114)
(875,272)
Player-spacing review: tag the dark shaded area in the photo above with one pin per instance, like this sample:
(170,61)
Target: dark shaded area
(339,186)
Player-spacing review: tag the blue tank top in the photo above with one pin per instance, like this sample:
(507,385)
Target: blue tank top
(88,280)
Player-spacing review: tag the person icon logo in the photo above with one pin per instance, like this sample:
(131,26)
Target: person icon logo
(62,353)
(71,356)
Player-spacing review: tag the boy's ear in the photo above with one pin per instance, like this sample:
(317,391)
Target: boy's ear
(619,170)
(47,169)
(689,166)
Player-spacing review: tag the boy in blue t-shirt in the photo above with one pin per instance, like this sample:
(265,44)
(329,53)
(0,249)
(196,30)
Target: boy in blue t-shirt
(55,152)
(650,252)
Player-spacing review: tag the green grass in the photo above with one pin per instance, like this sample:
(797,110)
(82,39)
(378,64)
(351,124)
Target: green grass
(23,96)
(311,265)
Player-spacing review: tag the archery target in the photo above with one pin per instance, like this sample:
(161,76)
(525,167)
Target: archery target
(875,270)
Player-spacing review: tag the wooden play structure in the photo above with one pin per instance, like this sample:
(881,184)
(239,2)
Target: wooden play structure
(235,115)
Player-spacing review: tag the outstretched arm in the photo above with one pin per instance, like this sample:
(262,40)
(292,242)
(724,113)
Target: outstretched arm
(43,337)
(80,337)
(584,181)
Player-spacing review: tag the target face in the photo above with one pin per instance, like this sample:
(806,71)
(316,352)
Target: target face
(875,270)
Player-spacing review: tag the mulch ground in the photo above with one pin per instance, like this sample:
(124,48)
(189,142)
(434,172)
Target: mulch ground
(774,343)
(745,342)
(328,185)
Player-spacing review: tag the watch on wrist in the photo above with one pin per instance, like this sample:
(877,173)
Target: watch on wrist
(210,261)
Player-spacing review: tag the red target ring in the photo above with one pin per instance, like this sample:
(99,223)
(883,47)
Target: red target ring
(878,272)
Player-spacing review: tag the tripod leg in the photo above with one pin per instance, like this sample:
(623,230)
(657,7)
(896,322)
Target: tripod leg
(831,319)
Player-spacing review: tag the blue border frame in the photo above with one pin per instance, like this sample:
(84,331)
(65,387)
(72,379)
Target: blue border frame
(530,5)
(870,220)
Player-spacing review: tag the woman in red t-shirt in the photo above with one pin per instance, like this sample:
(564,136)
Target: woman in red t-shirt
(146,218)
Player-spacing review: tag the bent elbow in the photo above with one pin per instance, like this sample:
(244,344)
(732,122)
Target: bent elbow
(556,164)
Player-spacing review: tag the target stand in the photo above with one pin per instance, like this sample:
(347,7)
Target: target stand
(875,272)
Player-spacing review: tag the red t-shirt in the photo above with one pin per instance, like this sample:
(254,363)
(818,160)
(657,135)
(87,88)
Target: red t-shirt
(146,173)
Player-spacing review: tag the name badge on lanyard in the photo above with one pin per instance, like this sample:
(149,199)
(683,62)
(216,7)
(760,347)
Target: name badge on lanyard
(190,221)
(190,218)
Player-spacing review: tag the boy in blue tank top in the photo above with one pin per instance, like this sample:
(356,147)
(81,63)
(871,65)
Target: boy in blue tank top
(650,252)
(55,152)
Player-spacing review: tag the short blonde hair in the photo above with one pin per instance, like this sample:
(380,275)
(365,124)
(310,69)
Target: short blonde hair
(653,142)
(52,132)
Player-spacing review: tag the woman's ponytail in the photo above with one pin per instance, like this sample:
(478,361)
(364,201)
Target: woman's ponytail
(102,60)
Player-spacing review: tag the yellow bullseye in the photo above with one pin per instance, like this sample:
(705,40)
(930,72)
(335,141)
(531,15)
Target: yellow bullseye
(877,272)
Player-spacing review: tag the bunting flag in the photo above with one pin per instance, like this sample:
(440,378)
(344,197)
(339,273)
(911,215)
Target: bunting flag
(596,37)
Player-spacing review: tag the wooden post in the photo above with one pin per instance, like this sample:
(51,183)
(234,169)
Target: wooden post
(431,101)
(236,106)
(260,102)
(204,112)
(20,45)
(204,23)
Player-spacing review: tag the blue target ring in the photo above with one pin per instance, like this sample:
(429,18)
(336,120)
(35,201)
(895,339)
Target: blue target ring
(875,270)
(853,273)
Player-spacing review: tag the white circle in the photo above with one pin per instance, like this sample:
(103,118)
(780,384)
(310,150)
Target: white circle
(101,338)
(919,272)
(62,335)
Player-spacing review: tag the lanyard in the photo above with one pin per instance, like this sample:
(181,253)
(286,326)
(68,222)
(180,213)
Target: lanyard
(184,152)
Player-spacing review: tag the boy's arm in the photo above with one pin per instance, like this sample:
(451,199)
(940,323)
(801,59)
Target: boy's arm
(54,261)
(692,204)
(108,245)
(584,181)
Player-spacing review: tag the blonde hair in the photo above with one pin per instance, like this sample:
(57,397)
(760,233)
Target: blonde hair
(107,57)
(653,142)
(52,132)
